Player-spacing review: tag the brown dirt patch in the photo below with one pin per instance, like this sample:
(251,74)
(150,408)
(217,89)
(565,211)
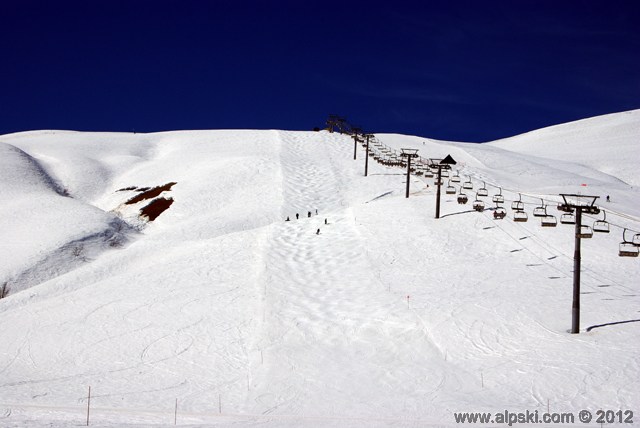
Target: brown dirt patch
(150,193)
(156,207)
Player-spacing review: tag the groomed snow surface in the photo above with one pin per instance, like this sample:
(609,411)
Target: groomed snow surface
(386,317)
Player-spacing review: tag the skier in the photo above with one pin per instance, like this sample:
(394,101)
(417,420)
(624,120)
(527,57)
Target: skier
(297,216)
(608,200)
(325,221)
(309,214)
(316,211)
(318,232)
(287,219)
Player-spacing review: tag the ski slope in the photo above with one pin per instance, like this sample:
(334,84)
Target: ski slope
(386,317)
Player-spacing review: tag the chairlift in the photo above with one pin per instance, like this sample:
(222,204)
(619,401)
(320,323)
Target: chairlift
(483,190)
(428,173)
(548,221)
(444,172)
(499,213)
(518,205)
(636,240)
(520,216)
(498,199)
(601,226)
(451,190)
(568,218)
(455,178)
(540,211)
(478,205)
(462,198)
(627,248)
(585,232)
(467,184)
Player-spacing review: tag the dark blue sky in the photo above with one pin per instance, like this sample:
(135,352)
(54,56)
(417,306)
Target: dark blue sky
(453,70)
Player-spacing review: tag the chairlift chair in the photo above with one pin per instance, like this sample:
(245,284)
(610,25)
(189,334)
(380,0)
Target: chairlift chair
(568,218)
(627,248)
(499,213)
(498,199)
(444,172)
(450,190)
(455,177)
(548,221)
(483,190)
(467,184)
(478,205)
(601,226)
(585,232)
(518,205)
(636,240)
(520,216)
(462,198)
(540,211)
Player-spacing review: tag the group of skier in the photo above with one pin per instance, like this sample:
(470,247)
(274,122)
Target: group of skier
(309,216)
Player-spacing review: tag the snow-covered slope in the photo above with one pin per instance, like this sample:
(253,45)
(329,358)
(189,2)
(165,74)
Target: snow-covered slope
(369,313)
(608,144)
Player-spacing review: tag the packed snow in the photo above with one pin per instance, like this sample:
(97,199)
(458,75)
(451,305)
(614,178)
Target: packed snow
(364,311)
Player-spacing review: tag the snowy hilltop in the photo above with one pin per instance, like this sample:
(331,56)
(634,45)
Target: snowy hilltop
(161,271)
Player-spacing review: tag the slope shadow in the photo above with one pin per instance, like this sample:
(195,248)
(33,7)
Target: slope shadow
(611,323)
(458,213)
